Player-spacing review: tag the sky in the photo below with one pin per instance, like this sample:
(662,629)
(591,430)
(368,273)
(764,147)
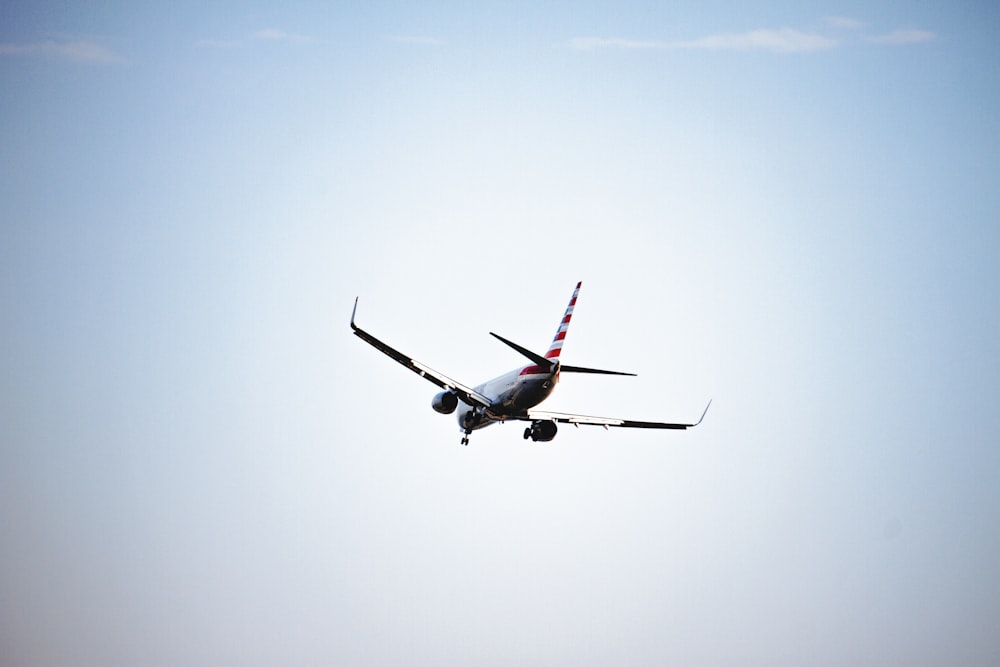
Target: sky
(789,208)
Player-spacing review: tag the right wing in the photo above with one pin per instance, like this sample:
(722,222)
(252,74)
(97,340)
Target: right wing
(576,420)
(467,394)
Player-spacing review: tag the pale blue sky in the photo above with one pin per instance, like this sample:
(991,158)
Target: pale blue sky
(789,208)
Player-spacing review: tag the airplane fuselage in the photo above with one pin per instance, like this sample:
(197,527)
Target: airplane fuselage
(512,394)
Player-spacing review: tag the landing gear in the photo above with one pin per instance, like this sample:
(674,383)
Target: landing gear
(469,421)
(542,430)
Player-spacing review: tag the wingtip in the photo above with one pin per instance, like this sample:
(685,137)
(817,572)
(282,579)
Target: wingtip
(705,412)
(354,312)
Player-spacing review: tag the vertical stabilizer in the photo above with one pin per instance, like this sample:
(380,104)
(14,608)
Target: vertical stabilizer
(557,342)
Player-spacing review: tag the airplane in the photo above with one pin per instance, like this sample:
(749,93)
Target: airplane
(514,395)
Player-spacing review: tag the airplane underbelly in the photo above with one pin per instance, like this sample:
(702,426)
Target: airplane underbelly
(530,393)
(520,397)
(472,419)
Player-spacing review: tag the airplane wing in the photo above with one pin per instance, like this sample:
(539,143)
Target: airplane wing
(467,394)
(576,420)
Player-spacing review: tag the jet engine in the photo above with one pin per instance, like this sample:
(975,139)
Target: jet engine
(445,402)
(541,431)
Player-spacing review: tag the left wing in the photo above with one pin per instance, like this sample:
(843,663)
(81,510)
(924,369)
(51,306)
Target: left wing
(467,394)
(576,420)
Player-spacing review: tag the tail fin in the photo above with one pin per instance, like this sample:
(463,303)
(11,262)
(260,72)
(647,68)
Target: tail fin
(551,357)
(557,342)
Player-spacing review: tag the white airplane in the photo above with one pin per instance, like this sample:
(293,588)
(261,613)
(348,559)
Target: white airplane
(513,396)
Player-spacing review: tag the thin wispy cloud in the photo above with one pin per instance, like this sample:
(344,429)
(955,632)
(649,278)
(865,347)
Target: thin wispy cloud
(415,40)
(784,40)
(845,23)
(219,43)
(781,40)
(78,51)
(275,35)
(902,37)
(591,43)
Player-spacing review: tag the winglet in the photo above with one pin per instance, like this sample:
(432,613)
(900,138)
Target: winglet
(353,325)
(704,413)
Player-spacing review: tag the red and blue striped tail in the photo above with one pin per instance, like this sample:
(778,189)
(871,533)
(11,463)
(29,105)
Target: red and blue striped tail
(557,342)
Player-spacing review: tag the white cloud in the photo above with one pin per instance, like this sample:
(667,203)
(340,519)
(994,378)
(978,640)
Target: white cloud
(898,37)
(844,23)
(589,43)
(265,35)
(218,43)
(415,40)
(75,51)
(277,35)
(785,40)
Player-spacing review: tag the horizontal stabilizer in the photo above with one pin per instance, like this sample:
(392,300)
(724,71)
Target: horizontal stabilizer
(578,369)
(547,363)
(537,358)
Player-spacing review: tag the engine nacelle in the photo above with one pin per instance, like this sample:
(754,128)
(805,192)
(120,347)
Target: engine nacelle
(541,431)
(445,402)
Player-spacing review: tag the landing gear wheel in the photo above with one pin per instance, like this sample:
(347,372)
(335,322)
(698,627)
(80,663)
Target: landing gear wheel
(527,433)
(465,441)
